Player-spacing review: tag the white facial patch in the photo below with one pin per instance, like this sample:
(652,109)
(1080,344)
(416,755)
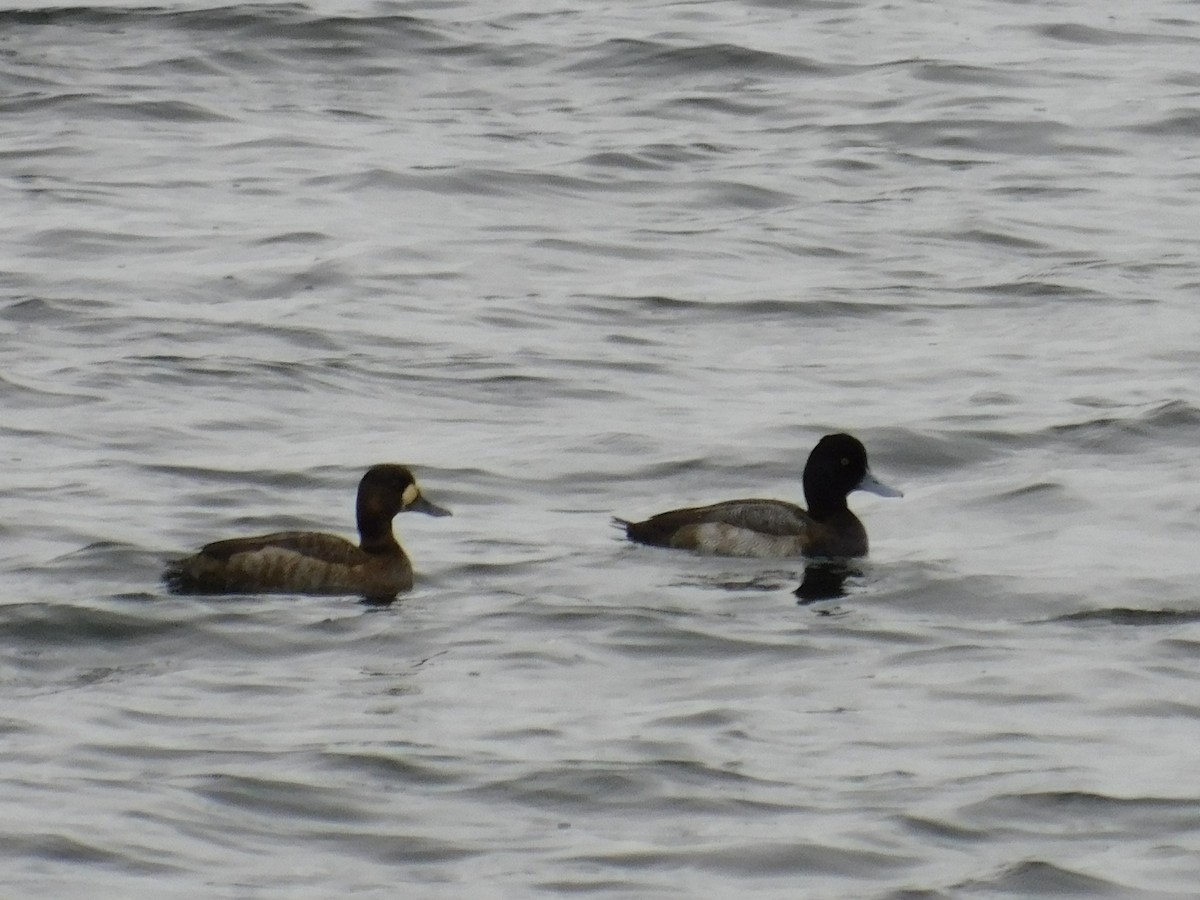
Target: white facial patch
(409,497)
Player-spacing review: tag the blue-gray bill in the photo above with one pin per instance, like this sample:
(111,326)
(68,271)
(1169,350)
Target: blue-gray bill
(422,505)
(873,485)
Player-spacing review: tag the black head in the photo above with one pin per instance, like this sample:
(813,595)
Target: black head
(837,466)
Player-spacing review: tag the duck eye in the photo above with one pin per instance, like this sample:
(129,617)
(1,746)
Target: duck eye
(845,461)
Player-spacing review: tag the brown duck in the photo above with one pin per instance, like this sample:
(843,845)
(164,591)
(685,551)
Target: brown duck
(306,562)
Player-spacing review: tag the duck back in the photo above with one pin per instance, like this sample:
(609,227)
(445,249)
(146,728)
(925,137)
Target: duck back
(292,562)
(763,528)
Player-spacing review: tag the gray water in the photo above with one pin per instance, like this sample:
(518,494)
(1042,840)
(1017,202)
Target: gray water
(570,261)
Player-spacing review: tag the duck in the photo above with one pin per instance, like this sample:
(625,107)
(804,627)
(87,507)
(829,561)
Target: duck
(306,562)
(774,529)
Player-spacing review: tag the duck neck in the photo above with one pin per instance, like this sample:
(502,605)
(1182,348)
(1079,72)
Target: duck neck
(823,504)
(374,529)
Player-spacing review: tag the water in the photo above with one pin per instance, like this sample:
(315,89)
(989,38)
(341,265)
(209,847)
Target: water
(569,262)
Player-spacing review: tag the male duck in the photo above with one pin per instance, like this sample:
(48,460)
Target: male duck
(775,528)
(306,562)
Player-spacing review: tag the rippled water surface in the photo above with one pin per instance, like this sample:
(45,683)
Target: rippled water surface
(573,261)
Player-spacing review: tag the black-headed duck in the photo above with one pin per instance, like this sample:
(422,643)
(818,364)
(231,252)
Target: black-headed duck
(306,562)
(775,528)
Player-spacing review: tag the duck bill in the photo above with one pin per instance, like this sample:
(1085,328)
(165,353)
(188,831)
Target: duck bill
(422,505)
(873,485)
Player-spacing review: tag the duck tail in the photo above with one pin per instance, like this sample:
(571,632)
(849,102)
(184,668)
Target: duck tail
(175,579)
(180,579)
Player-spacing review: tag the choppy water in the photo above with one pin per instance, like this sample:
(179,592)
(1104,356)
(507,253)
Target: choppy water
(571,261)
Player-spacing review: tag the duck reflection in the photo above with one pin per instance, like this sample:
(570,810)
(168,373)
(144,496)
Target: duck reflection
(825,579)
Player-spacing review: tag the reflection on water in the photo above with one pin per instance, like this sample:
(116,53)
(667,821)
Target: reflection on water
(825,579)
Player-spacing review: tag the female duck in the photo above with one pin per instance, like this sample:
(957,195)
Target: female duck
(305,562)
(775,528)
